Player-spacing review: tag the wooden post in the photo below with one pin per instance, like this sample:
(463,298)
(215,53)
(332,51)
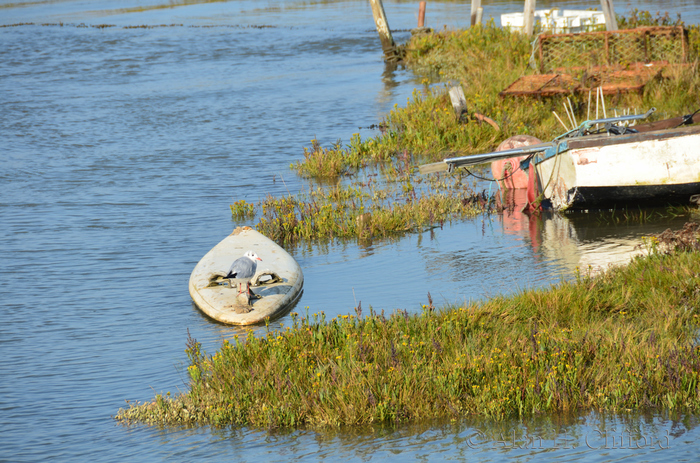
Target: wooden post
(459,102)
(387,40)
(609,13)
(476,4)
(479,15)
(529,16)
(421,14)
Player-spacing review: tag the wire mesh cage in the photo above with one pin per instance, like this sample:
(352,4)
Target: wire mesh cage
(610,48)
(615,61)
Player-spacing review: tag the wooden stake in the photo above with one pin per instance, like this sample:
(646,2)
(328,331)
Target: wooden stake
(421,14)
(388,45)
(529,16)
(459,102)
(476,4)
(609,13)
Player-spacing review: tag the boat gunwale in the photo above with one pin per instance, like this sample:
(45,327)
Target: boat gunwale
(591,141)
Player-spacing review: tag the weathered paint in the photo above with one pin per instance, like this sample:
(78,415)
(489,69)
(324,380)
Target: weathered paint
(509,169)
(640,160)
(222,303)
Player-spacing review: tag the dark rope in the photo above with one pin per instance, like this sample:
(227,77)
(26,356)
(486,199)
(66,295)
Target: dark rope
(687,119)
(494,179)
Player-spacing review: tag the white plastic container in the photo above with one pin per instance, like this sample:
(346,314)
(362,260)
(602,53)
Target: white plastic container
(557,21)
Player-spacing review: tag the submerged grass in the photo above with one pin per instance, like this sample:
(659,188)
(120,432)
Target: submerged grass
(367,210)
(626,339)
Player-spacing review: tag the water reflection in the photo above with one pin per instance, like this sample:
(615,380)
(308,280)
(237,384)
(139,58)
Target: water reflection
(581,437)
(587,241)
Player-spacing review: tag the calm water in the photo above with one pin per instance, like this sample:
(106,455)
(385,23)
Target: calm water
(121,151)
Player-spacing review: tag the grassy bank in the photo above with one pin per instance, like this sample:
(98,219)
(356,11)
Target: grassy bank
(626,339)
(485,60)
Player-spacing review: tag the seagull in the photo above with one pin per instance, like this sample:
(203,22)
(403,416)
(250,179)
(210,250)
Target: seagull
(242,270)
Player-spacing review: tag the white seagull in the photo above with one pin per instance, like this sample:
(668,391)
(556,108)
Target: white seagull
(242,270)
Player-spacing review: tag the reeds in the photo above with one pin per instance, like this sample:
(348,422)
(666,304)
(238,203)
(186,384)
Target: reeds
(622,340)
(336,161)
(367,210)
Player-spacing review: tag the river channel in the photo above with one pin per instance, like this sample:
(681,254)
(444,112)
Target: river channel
(122,149)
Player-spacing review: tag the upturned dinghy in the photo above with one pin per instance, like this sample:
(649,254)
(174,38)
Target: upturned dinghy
(276,285)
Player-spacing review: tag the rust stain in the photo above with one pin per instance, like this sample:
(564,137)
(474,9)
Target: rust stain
(582,161)
(239,230)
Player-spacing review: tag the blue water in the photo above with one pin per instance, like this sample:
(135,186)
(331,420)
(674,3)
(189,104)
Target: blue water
(122,149)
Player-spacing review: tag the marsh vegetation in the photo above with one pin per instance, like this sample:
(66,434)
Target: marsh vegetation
(619,340)
(377,176)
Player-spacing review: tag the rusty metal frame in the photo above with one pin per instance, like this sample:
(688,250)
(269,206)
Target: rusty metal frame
(545,40)
(613,77)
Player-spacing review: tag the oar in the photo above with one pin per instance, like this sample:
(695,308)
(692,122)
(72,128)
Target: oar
(477,159)
(464,161)
(433,168)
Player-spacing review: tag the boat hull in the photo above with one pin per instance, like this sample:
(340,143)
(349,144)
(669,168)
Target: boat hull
(212,294)
(605,171)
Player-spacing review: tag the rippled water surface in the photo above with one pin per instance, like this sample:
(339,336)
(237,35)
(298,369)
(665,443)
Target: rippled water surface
(122,149)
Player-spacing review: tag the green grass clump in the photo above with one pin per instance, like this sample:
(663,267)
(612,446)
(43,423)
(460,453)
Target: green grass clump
(242,209)
(336,161)
(367,211)
(625,339)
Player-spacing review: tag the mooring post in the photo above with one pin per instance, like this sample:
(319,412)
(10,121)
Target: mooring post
(387,40)
(421,14)
(529,16)
(459,102)
(609,13)
(476,4)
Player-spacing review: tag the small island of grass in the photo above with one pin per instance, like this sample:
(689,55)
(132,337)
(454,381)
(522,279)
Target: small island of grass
(624,339)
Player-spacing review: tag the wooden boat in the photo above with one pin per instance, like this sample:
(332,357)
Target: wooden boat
(277,283)
(650,163)
(602,171)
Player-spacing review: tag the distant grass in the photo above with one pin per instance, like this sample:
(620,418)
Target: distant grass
(623,340)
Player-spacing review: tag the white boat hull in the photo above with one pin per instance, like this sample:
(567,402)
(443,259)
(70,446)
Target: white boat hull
(604,170)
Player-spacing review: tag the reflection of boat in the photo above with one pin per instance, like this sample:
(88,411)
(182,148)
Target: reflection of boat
(563,241)
(589,242)
(276,290)
(657,162)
